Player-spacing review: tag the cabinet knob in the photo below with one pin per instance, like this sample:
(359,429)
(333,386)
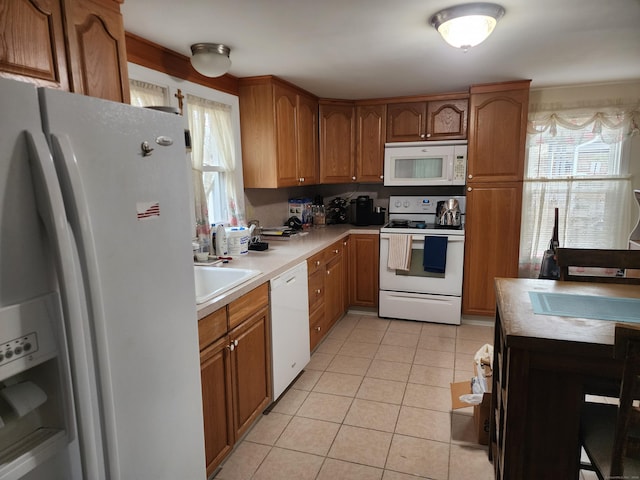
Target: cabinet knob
(318,328)
(336,251)
(469,189)
(381,177)
(328,272)
(318,292)
(301,179)
(428,135)
(422,135)
(470,176)
(232,346)
(353,178)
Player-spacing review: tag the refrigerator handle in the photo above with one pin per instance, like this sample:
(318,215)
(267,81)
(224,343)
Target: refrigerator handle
(52,212)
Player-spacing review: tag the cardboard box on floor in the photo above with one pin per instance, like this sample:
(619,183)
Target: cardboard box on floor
(480,412)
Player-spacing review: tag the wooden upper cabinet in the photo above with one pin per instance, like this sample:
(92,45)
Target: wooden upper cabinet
(307,139)
(337,143)
(497,132)
(406,122)
(97,49)
(427,120)
(285,101)
(279,130)
(447,119)
(75,45)
(32,42)
(370,138)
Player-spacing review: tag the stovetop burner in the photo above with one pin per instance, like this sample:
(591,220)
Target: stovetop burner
(420,225)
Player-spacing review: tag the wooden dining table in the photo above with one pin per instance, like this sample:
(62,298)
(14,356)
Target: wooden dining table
(543,366)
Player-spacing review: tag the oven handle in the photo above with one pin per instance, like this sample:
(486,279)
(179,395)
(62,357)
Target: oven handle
(418,238)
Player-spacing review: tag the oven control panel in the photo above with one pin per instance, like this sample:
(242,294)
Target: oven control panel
(413,204)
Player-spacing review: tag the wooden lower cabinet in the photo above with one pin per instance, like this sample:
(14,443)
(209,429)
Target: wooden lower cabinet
(215,375)
(235,371)
(326,272)
(492,243)
(251,370)
(364,259)
(335,288)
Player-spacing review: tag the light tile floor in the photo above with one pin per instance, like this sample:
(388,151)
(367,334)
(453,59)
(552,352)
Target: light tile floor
(373,404)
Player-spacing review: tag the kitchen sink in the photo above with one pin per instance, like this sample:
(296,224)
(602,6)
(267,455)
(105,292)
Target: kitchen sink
(213,281)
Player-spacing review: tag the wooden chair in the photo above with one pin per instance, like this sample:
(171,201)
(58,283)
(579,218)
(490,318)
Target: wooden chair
(611,433)
(589,257)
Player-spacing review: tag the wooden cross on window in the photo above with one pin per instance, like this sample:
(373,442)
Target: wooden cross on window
(179,96)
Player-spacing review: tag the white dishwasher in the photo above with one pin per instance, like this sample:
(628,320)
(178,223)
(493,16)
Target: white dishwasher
(289,326)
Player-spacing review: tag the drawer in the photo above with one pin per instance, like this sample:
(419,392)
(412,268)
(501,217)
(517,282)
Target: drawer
(316,290)
(333,251)
(247,305)
(315,263)
(317,328)
(212,327)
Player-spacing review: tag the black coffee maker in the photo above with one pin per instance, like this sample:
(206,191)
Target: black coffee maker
(363,211)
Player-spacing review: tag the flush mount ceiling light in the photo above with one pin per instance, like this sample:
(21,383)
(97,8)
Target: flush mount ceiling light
(465,26)
(210,59)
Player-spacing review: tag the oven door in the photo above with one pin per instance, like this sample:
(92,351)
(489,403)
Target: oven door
(416,279)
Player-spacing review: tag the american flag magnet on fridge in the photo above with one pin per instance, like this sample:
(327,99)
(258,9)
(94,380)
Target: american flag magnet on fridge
(148,210)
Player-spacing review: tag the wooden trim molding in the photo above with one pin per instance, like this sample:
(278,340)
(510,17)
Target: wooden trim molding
(156,57)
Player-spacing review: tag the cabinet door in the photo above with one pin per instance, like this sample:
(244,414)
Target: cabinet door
(215,375)
(364,259)
(492,243)
(370,138)
(337,144)
(32,42)
(285,114)
(447,119)
(97,50)
(497,135)
(307,128)
(251,369)
(334,286)
(406,122)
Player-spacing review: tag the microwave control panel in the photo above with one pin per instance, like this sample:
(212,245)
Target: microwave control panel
(459,165)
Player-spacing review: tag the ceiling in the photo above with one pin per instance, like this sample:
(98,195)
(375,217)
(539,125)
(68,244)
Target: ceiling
(355,49)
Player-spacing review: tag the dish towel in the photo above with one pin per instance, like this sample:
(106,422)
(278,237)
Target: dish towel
(399,252)
(435,254)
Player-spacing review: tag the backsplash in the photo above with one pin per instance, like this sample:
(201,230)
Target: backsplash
(269,206)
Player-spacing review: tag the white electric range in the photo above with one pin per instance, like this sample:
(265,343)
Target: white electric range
(421,293)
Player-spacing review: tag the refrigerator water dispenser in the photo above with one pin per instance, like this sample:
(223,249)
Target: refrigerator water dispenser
(34,423)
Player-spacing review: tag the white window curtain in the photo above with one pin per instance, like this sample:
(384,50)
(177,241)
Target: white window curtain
(145,94)
(576,162)
(214,163)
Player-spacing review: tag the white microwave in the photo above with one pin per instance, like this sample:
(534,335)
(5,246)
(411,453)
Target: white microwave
(425,163)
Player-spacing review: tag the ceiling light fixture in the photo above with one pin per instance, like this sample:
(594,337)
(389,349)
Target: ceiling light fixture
(465,26)
(210,59)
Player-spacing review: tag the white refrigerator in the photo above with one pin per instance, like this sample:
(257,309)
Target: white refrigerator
(99,360)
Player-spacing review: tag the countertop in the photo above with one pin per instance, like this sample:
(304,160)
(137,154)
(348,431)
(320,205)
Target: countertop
(280,257)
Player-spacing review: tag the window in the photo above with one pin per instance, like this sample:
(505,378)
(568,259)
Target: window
(213,120)
(145,94)
(214,158)
(576,162)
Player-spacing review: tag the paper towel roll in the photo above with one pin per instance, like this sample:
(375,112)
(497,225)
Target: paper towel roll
(24,397)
